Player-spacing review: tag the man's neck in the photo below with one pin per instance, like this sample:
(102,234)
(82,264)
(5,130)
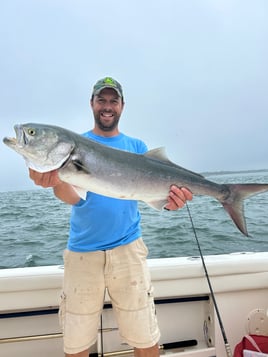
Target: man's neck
(106,134)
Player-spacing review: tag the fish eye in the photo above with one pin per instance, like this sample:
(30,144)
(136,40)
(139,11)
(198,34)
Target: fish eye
(31,132)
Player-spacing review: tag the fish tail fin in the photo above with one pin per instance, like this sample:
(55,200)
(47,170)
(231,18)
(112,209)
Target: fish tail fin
(233,204)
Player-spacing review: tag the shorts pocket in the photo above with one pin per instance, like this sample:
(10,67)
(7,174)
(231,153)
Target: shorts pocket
(62,311)
(141,248)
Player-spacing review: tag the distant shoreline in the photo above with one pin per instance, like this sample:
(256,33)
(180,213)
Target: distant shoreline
(213,173)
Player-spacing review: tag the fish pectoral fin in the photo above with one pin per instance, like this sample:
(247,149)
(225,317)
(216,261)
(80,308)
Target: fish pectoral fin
(158,205)
(79,166)
(80,191)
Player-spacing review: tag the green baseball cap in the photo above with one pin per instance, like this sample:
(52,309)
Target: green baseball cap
(107,82)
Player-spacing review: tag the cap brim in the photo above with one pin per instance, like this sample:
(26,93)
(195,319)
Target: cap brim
(107,86)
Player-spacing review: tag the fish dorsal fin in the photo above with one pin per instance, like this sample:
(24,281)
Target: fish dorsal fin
(158,154)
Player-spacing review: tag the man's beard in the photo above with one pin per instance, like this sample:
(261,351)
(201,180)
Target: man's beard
(106,126)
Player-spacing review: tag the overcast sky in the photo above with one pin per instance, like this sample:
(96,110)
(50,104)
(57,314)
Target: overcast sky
(194,75)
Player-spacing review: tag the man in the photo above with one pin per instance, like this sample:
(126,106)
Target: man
(105,249)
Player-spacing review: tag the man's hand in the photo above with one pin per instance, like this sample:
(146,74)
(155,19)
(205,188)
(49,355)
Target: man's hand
(46,179)
(62,190)
(178,197)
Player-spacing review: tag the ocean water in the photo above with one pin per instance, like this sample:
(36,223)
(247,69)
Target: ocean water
(34,226)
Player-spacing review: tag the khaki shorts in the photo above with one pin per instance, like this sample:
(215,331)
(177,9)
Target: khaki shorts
(124,272)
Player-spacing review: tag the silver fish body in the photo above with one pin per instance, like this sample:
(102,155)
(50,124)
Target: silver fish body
(91,166)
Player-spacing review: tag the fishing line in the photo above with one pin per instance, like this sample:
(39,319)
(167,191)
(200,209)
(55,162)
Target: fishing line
(226,343)
(101,331)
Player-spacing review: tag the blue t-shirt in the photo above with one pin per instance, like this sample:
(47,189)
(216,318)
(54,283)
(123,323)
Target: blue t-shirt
(100,222)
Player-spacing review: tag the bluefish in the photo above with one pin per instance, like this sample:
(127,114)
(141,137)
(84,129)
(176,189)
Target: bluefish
(91,166)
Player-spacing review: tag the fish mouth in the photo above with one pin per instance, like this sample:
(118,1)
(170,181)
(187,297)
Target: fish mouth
(20,139)
(10,141)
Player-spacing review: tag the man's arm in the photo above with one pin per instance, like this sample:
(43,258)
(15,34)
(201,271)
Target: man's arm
(62,190)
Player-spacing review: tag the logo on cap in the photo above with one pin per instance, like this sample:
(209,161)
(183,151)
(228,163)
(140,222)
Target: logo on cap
(107,82)
(110,81)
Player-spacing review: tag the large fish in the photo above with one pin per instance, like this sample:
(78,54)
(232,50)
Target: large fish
(90,166)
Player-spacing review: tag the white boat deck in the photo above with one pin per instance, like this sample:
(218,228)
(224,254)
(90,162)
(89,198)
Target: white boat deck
(29,300)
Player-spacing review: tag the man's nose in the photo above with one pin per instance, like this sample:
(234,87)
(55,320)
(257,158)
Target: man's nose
(107,106)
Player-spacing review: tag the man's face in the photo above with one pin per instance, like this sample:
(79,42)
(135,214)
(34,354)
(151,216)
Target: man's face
(107,107)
